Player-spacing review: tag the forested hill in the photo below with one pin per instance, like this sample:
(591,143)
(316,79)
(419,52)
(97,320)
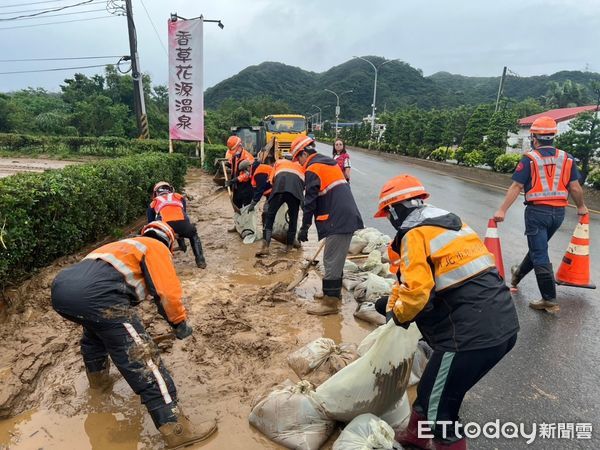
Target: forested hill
(399,85)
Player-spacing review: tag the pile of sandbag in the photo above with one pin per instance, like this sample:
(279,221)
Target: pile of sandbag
(366,432)
(291,416)
(366,311)
(372,288)
(281,224)
(368,239)
(375,382)
(320,359)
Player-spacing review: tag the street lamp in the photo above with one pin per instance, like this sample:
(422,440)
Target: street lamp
(320,119)
(376,68)
(337,108)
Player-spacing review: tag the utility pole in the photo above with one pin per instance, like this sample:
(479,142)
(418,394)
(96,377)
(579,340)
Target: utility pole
(500,89)
(138,89)
(337,108)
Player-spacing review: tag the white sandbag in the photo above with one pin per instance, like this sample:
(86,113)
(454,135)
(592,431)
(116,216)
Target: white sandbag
(376,381)
(350,267)
(245,224)
(360,290)
(351,280)
(357,244)
(367,312)
(367,232)
(377,286)
(291,416)
(366,432)
(421,359)
(398,416)
(377,243)
(373,261)
(281,225)
(320,359)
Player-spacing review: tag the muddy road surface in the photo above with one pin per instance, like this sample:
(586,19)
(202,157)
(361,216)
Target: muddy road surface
(11,166)
(245,326)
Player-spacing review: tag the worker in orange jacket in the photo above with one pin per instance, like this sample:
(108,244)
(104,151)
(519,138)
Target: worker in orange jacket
(240,176)
(171,207)
(547,175)
(100,292)
(449,286)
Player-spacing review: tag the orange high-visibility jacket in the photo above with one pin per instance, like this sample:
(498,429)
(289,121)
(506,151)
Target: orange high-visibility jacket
(147,266)
(433,258)
(168,207)
(235,163)
(550,176)
(262,172)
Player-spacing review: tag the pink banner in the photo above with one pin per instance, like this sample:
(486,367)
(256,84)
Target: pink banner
(186,99)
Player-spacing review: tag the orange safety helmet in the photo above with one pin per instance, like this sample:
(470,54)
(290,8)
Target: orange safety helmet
(163,231)
(543,125)
(299,144)
(398,189)
(233,142)
(161,185)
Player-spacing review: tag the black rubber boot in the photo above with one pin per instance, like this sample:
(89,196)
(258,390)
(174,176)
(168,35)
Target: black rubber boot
(181,243)
(198,253)
(290,241)
(518,272)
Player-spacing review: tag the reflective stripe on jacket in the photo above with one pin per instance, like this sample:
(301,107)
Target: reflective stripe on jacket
(288,176)
(169,207)
(328,198)
(550,176)
(147,267)
(449,284)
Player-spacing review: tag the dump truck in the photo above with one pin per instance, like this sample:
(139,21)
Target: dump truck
(284,128)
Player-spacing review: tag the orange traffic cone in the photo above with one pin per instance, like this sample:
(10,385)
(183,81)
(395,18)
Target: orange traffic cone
(575,267)
(492,242)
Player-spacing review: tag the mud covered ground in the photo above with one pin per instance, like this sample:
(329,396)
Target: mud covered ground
(10,166)
(245,325)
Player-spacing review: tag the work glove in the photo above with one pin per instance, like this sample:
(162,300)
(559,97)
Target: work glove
(251,206)
(231,183)
(303,234)
(183,330)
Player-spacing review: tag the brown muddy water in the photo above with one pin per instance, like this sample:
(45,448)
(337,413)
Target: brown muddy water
(245,326)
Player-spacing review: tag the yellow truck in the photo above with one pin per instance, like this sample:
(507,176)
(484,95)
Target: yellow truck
(284,128)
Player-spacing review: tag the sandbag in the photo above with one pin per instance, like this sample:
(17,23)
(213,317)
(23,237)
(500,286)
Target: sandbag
(422,355)
(350,267)
(366,311)
(376,381)
(366,432)
(398,416)
(320,359)
(245,224)
(376,287)
(281,224)
(378,242)
(373,262)
(357,244)
(291,416)
(360,290)
(351,280)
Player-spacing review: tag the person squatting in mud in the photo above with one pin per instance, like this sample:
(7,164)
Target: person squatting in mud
(99,292)
(449,286)
(171,207)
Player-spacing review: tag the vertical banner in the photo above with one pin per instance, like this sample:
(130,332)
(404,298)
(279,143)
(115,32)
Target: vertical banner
(186,98)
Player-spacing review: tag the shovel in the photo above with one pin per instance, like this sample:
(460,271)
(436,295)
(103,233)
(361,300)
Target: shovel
(304,273)
(235,208)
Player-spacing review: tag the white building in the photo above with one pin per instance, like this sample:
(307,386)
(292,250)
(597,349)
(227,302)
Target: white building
(519,142)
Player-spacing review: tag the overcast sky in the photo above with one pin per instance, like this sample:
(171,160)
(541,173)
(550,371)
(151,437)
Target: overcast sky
(469,37)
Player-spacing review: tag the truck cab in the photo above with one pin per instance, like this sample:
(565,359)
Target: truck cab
(285,128)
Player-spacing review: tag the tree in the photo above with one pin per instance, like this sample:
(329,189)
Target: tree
(434,130)
(566,95)
(477,128)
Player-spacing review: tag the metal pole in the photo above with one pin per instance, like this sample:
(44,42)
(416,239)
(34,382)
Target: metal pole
(374,100)
(500,88)
(138,88)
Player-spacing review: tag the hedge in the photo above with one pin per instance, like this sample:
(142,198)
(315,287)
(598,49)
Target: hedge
(47,215)
(95,146)
(506,163)
(594,178)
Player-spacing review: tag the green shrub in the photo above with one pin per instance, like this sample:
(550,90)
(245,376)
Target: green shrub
(460,154)
(490,155)
(47,215)
(506,163)
(211,153)
(593,178)
(474,158)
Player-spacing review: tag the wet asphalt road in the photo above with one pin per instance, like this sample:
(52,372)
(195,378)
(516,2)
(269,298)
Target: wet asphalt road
(552,375)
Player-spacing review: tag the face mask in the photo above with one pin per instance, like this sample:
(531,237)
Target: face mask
(398,212)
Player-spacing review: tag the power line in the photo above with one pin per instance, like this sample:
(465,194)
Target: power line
(154,26)
(28,4)
(52,70)
(48,11)
(59,59)
(59,22)
(95,2)
(61,14)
